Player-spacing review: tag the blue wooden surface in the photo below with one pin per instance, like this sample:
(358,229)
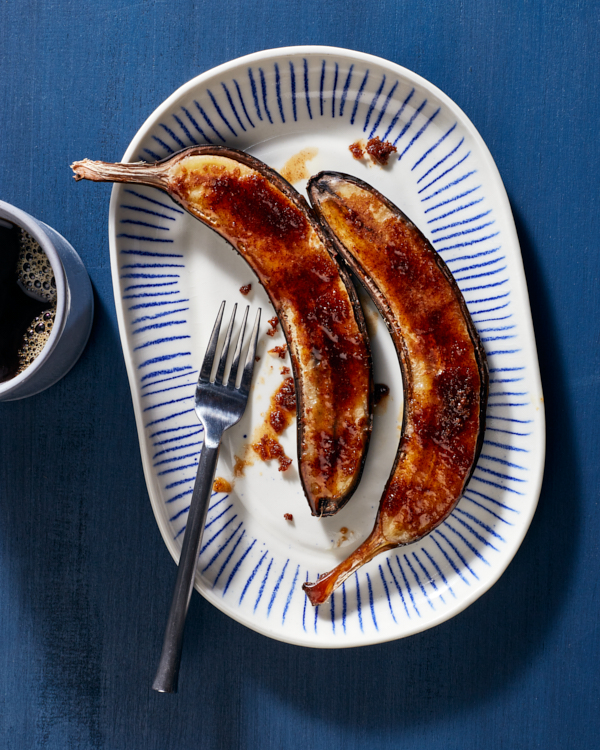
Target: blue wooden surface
(84,575)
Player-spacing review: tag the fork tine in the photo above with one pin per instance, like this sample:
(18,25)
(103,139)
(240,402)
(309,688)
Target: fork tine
(209,357)
(238,351)
(250,358)
(223,361)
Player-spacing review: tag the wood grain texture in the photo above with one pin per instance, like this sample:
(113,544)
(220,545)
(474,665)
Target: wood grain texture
(84,576)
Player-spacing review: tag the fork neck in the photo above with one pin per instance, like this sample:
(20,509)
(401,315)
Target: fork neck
(213,431)
(212,440)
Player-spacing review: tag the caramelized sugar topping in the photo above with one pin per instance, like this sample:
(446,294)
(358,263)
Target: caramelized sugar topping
(314,308)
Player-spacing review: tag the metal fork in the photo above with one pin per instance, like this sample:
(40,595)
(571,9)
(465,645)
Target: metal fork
(219,405)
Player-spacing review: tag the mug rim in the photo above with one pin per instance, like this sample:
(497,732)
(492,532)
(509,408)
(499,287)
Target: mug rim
(35,228)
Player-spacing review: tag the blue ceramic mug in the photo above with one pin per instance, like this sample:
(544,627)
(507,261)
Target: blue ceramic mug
(72,318)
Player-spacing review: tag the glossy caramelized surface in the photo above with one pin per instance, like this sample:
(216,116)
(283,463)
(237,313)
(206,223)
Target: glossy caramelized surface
(272,227)
(443,364)
(327,347)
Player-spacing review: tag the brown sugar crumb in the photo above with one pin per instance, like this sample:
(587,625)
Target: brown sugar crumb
(285,396)
(257,358)
(283,406)
(277,421)
(356,150)
(273,322)
(284,371)
(269,448)
(288,516)
(239,466)
(221,485)
(282,410)
(380,150)
(245,289)
(278,351)
(381,391)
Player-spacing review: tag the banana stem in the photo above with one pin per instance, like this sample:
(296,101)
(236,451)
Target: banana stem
(320,591)
(140,172)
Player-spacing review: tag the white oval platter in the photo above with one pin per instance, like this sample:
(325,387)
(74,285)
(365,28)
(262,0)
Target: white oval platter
(170,273)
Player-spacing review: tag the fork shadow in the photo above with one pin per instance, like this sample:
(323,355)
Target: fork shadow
(467,660)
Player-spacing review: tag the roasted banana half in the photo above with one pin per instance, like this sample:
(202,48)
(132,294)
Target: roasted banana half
(273,229)
(443,364)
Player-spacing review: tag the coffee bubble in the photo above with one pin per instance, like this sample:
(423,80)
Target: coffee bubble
(33,270)
(28,301)
(35,338)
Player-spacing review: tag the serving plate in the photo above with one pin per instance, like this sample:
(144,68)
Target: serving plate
(170,273)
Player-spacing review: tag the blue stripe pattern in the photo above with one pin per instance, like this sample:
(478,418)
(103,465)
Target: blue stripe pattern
(438,157)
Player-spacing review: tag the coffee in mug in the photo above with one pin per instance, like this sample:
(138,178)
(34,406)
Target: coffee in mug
(27,300)
(46,305)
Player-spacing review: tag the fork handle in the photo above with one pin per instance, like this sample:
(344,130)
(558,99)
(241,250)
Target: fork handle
(167,673)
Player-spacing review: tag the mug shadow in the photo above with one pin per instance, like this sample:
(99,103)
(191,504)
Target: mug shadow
(468,660)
